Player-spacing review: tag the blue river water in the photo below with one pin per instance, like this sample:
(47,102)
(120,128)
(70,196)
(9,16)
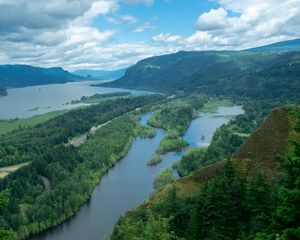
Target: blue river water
(130,182)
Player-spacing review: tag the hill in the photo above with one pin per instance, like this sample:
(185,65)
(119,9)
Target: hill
(243,73)
(259,153)
(291,45)
(24,75)
(254,195)
(100,74)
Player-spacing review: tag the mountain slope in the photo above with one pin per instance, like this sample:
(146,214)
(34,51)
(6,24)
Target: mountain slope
(100,74)
(290,45)
(24,75)
(259,153)
(242,73)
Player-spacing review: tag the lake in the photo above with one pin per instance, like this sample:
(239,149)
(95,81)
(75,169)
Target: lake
(130,182)
(28,101)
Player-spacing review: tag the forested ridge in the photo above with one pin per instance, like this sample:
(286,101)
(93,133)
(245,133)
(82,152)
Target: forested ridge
(256,74)
(25,75)
(26,206)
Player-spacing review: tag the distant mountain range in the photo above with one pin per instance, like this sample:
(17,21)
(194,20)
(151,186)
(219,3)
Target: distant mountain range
(24,75)
(100,74)
(291,45)
(269,71)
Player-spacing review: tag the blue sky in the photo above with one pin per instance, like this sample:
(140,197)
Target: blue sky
(112,34)
(174,16)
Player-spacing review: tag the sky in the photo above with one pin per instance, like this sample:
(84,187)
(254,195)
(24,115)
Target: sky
(112,34)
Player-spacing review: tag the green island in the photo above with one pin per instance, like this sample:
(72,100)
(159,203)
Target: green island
(175,116)
(97,98)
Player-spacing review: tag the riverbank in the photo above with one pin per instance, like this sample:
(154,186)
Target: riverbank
(126,185)
(11,125)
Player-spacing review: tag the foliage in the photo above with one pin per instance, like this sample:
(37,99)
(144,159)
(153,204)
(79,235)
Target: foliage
(72,172)
(234,206)
(96,98)
(145,131)
(190,162)
(155,159)
(228,138)
(27,144)
(14,124)
(238,73)
(164,178)
(175,117)
(154,228)
(171,143)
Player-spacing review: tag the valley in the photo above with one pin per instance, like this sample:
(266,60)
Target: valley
(212,153)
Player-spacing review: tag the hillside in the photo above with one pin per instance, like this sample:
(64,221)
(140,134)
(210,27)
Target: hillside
(238,199)
(100,74)
(291,45)
(24,75)
(242,73)
(259,153)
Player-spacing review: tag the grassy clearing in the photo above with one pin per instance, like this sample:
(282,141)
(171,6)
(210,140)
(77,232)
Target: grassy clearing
(11,168)
(213,104)
(10,125)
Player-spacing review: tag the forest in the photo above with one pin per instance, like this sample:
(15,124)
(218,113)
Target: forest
(25,144)
(27,205)
(175,116)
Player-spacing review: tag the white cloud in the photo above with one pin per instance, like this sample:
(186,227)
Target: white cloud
(61,33)
(212,20)
(251,23)
(129,19)
(144,27)
(166,37)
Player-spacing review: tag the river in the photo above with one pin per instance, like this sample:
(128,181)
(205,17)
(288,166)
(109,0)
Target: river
(130,182)
(28,101)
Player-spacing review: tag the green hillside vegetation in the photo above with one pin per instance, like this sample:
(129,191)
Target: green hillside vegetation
(26,206)
(97,98)
(26,144)
(11,125)
(175,117)
(255,195)
(239,73)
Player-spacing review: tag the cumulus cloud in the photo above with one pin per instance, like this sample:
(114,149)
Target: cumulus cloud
(61,32)
(212,20)
(251,22)
(166,37)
